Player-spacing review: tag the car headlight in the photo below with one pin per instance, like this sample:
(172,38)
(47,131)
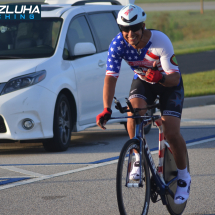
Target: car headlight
(23,81)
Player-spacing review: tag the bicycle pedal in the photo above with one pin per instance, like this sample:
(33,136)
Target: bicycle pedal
(132,185)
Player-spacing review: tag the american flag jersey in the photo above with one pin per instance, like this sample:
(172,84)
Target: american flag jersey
(159,48)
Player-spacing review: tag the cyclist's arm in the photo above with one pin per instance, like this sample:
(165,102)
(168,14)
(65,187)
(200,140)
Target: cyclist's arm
(109,90)
(169,63)
(171,79)
(113,66)
(112,72)
(108,94)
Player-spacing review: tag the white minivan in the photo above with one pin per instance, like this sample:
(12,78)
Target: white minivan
(52,72)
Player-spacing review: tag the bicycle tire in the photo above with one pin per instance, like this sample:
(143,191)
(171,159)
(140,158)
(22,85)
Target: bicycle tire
(169,172)
(132,200)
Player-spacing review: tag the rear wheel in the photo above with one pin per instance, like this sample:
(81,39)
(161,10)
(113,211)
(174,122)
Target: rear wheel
(132,200)
(169,172)
(62,126)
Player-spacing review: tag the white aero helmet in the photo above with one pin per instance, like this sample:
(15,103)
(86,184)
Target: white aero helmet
(131,15)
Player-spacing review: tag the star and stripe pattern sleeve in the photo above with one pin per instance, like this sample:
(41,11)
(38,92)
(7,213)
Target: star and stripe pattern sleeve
(114,58)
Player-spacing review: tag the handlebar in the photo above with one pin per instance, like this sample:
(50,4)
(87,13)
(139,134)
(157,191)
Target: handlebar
(125,109)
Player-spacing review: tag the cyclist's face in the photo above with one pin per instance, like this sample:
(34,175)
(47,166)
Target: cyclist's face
(133,37)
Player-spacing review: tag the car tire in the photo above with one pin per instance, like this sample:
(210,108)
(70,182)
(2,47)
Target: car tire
(62,126)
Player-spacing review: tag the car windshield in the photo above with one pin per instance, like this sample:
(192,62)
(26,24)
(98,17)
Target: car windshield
(29,39)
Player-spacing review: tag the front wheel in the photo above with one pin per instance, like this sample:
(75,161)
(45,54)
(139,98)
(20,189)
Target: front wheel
(169,172)
(132,200)
(61,127)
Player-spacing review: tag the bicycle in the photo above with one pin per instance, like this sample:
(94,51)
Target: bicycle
(134,196)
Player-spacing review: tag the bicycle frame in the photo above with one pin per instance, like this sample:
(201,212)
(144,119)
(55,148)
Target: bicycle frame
(157,174)
(162,187)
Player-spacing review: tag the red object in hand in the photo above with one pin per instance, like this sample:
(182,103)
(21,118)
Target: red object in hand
(154,76)
(105,115)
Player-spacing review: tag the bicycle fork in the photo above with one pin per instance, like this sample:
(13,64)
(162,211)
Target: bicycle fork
(140,184)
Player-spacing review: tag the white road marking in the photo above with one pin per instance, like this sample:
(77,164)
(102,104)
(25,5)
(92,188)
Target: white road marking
(199,121)
(25,172)
(200,142)
(44,177)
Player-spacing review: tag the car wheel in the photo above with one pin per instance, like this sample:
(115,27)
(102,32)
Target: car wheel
(62,126)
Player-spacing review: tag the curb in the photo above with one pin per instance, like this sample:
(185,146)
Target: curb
(199,101)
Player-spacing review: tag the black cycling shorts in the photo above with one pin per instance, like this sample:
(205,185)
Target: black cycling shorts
(171,98)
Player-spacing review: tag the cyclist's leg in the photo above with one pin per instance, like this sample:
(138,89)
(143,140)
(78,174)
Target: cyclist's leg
(177,144)
(139,94)
(136,103)
(171,102)
(171,126)
(169,173)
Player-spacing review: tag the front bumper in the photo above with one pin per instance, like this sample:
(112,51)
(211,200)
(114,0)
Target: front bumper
(36,103)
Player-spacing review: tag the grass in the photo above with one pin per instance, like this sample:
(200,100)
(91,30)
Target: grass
(199,84)
(189,31)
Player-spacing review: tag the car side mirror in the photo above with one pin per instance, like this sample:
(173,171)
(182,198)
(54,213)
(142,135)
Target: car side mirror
(84,48)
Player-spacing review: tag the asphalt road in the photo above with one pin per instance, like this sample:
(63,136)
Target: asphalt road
(197,62)
(82,179)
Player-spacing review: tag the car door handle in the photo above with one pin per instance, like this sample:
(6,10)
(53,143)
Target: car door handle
(101,63)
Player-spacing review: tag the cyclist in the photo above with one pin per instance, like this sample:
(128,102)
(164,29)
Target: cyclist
(151,56)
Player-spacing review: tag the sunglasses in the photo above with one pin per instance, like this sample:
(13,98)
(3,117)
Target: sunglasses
(132,28)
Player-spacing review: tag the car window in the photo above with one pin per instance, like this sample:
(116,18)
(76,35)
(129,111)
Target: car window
(105,27)
(116,13)
(78,31)
(29,39)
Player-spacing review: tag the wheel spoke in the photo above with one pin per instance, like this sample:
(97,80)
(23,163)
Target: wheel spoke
(65,112)
(64,123)
(67,124)
(61,109)
(60,121)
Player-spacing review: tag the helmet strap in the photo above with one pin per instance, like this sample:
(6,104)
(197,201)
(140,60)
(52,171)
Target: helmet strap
(140,38)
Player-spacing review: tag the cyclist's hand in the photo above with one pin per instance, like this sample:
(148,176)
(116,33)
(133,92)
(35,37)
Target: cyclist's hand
(103,117)
(153,75)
